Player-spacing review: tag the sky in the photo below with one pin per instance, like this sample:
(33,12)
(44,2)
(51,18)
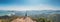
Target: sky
(23,5)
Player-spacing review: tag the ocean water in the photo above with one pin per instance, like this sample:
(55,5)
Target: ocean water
(2,13)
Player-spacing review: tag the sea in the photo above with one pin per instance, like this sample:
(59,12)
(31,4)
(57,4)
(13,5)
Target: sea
(2,12)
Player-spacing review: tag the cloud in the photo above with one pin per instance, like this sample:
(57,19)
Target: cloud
(24,8)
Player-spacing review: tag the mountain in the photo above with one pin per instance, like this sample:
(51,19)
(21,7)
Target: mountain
(31,13)
(44,13)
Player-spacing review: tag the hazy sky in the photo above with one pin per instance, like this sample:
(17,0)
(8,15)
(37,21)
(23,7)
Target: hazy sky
(29,5)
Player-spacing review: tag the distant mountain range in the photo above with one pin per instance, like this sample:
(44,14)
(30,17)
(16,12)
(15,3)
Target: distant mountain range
(33,12)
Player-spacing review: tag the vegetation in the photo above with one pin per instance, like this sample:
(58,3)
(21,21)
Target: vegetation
(10,18)
(7,18)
